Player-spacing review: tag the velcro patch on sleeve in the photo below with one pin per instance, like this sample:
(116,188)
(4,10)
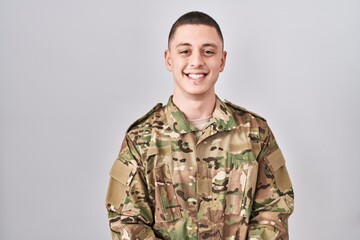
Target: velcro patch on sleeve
(116,193)
(121,177)
(276,160)
(282,179)
(277,165)
(121,172)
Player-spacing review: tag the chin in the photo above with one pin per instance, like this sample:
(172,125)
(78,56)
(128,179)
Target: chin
(198,92)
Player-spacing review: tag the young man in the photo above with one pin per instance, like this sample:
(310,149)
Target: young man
(198,167)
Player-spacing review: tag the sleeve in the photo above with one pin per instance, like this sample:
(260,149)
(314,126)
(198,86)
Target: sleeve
(274,197)
(129,213)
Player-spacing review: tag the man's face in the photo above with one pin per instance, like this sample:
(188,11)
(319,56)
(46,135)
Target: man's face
(195,57)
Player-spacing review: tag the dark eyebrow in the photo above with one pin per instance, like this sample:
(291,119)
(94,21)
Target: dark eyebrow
(204,45)
(210,45)
(183,44)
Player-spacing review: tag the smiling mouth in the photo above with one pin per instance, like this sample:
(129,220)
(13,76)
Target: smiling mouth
(196,76)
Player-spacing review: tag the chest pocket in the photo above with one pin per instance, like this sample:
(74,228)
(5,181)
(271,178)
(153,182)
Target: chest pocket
(242,183)
(167,208)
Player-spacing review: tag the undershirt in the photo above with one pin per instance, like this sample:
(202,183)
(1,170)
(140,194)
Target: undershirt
(200,123)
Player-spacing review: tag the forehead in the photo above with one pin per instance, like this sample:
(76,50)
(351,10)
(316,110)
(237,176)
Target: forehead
(195,34)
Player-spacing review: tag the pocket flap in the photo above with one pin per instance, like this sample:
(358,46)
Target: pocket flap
(168,207)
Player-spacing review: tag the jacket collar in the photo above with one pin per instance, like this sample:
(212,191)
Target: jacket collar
(221,118)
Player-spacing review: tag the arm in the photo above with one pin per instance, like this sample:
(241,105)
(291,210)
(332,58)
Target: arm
(129,213)
(274,197)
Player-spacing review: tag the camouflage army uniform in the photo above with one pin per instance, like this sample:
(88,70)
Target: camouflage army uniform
(173,181)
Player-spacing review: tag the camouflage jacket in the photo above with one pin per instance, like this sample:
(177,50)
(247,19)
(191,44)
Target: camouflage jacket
(173,181)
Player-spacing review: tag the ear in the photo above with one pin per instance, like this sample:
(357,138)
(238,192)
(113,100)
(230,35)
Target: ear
(223,61)
(167,56)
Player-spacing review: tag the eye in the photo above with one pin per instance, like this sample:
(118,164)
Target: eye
(208,52)
(184,52)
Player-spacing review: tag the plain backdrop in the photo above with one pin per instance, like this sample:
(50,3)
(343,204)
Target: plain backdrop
(75,74)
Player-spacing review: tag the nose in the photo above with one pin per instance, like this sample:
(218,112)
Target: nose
(196,60)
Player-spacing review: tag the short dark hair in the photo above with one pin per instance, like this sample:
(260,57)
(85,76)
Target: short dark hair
(195,18)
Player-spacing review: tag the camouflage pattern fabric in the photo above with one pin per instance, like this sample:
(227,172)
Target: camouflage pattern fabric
(173,181)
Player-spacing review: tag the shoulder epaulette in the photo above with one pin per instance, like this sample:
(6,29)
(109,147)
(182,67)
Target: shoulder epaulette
(154,109)
(243,109)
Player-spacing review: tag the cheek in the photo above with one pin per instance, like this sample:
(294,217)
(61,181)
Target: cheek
(215,66)
(178,65)
(215,63)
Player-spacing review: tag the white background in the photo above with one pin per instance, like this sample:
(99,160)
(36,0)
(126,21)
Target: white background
(75,74)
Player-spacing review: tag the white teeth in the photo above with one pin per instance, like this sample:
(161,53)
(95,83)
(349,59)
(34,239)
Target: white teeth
(196,76)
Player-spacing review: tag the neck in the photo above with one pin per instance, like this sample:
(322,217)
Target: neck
(197,107)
